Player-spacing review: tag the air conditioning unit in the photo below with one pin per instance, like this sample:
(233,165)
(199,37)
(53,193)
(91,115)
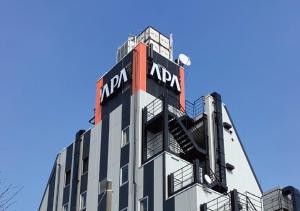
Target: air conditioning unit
(126,48)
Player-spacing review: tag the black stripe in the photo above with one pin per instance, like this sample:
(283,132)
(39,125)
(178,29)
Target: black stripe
(69,158)
(86,144)
(124,158)
(83,183)
(103,160)
(220,155)
(74,178)
(148,184)
(123,196)
(102,202)
(169,204)
(104,149)
(66,194)
(126,98)
(85,155)
(68,167)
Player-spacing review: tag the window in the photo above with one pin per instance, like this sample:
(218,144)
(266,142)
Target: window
(83,201)
(85,165)
(125,136)
(144,204)
(68,177)
(124,209)
(124,175)
(66,207)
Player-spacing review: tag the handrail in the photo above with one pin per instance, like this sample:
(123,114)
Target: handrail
(251,200)
(182,177)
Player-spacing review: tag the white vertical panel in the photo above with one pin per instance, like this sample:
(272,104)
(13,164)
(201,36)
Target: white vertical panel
(94,163)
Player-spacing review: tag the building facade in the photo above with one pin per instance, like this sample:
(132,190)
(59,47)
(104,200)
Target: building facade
(150,149)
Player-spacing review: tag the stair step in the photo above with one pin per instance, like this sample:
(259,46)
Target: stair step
(181,138)
(175,129)
(183,141)
(178,134)
(188,148)
(187,145)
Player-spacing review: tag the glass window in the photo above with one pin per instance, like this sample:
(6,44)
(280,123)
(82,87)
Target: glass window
(68,178)
(85,165)
(125,136)
(124,175)
(83,200)
(125,209)
(66,207)
(144,204)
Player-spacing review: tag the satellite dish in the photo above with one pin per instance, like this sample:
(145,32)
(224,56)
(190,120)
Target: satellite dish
(207,179)
(184,59)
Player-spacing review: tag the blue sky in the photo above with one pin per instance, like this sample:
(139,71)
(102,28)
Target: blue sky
(52,52)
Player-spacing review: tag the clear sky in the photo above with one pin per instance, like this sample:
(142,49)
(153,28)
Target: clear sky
(52,52)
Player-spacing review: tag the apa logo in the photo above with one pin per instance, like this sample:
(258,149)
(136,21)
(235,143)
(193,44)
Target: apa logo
(165,76)
(114,84)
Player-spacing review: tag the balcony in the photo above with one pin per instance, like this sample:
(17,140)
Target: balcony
(191,174)
(234,201)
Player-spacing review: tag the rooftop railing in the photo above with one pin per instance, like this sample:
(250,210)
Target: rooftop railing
(234,201)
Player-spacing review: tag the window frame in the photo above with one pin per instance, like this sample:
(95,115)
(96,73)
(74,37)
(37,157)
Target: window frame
(66,185)
(140,202)
(122,136)
(80,200)
(121,174)
(83,173)
(124,209)
(65,205)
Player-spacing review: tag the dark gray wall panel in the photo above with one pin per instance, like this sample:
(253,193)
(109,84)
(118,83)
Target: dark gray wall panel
(148,184)
(86,144)
(69,157)
(83,183)
(75,167)
(123,196)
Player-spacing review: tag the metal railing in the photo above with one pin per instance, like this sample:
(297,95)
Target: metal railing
(222,203)
(175,108)
(196,108)
(154,108)
(173,145)
(181,178)
(234,201)
(275,201)
(154,145)
(249,202)
(192,109)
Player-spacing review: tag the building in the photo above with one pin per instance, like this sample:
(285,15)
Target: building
(150,149)
(282,199)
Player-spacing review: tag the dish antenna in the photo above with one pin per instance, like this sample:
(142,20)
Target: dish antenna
(184,59)
(207,179)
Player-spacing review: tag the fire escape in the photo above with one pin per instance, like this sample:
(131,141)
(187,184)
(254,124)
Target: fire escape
(167,126)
